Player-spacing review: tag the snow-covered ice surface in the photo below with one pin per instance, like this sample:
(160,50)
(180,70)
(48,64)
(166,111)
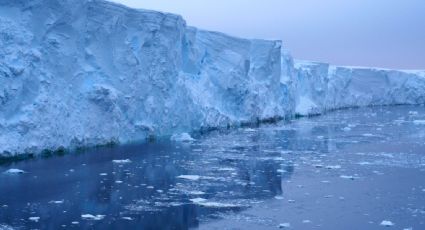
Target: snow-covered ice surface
(78,73)
(309,173)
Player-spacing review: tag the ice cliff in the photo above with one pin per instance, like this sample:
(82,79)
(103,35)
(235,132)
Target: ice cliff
(79,73)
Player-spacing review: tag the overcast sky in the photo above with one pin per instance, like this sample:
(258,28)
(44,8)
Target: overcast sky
(382,33)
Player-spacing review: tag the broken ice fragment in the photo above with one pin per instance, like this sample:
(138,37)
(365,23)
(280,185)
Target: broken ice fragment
(348,177)
(182,137)
(34,218)
(14,171)
(419,122)
(126,161)
(189,177)
(333,166)
(92,217)
(209,204)
(56,202)
(347,129)
(284,225)
(387,223)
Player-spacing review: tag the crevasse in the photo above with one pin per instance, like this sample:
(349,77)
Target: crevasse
(77,73)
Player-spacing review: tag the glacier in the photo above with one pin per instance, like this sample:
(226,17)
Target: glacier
(81,73)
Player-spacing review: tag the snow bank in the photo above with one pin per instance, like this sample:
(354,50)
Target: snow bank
(78,73)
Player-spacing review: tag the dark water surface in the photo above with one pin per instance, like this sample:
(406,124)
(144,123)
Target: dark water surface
(352,169)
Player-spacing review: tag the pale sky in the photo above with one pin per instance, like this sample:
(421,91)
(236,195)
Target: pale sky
(381,33)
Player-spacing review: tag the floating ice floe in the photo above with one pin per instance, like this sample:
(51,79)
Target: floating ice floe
(189,177)
(413,113)
(126,218)
(34,218)
(205,203)
(249,130)
(348,177)
(182,137)
(387,223)
(419,122)
(226,169)
(333,166)
(5,227)
(126,161)
(196,193)
(285,225)
(347,129)
(56,202)
(92,217)
(14,171)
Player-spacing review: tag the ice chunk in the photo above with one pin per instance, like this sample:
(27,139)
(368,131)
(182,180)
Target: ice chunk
(333,166)
(34,218)
(14,171)
(56,202)
(209,204)
(387,223)
(92,217)
(419,122)
(182,137)
(348,177)
(347,129)
(285,225)
(126,161)
(189,177)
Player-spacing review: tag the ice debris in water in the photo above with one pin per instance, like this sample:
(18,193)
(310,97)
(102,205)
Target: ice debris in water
(413,113)
(205,203)
(333,166)
(189,177)
(5,227)
(34,218)
(348,177)
(284,225)
(347,129)
(387,223)
(92,217)
(182,137)
(56,202)
(126,161)
(14,171)
(419,122)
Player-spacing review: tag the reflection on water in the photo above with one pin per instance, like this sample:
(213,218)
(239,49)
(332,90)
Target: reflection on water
(182,185)
(160,185)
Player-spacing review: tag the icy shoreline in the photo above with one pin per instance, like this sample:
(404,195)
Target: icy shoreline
(80,73)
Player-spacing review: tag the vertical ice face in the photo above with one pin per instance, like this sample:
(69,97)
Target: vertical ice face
(78,73)
(87,72)
(233,80)
(321,87)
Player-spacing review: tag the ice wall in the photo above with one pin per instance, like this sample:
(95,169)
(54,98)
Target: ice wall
(77,73)
(320,87)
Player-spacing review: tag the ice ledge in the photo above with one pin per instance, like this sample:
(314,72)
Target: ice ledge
(79,73)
